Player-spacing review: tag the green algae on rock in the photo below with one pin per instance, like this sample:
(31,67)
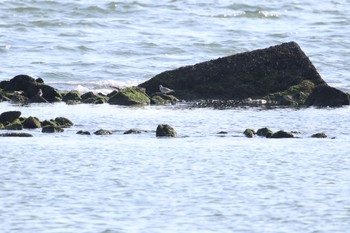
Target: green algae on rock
(130,96)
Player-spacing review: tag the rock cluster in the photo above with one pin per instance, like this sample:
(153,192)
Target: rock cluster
(12,120)
(23,89)
(267,133)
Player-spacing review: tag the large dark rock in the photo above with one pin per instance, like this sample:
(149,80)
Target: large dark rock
(250,74)
(254,74)
(9,116)
(324,95)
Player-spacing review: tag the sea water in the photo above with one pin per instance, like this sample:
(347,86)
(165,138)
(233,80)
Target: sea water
(201,181)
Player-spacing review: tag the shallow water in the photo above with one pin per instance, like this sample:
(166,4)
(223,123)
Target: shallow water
(200,181)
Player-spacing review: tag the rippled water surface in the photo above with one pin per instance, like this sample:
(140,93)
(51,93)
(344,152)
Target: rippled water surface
(200,181)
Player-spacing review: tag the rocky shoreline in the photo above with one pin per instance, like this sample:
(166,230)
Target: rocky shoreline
(280,75)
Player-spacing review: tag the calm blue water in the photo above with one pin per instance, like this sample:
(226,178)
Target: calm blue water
(200,181)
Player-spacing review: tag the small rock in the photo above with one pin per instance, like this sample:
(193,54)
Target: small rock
(282,134)
(31,123)
(222,132)
(71,96)
(249,133)
(103,132)
(132,131)
(165,131)
(264,132)
(81,132)
(319,135)
(52,129)
(63,122)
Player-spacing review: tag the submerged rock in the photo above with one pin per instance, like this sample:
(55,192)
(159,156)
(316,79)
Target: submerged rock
(256,74)
(16,135)
(103,132)
(165,131)
(132,131)
(129,96)
(319,135)
(51,129)
(282,134)
(81,132)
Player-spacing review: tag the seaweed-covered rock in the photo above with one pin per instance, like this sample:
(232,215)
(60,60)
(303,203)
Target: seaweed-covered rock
(249,133)
(16,135)
(296,95)
(49,123)
(15,125)
(52,129)
(31,123)
(319,135)
(326,96)
(264,132)
(282,134)
(130,96)
(103,132)
(162,99)
(164,130)
(71,96)
(63,122)
(252,74)
(9,116)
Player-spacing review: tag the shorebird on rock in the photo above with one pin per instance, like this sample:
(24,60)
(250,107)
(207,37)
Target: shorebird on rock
(40,93)
(165,90)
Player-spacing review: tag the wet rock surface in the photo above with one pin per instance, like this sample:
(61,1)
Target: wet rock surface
(255,74)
